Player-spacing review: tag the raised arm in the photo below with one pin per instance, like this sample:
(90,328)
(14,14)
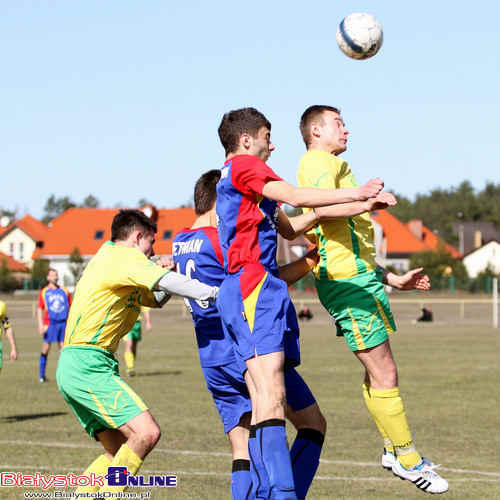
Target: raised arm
(345,210)
(295,270)
(315,197)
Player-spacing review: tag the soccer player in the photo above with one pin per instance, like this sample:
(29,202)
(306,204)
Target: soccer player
(197,253)
(350,285)
(55,300)
(118,280)
(253,302)
(6,327)
(133,338)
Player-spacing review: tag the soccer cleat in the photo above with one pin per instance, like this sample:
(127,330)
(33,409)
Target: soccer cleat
(43,380)
(422,476)
(388,460)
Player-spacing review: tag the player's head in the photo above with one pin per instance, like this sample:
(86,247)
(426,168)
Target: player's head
(52,276)
(135,229)
(246,131)
(322,127)
(205,192)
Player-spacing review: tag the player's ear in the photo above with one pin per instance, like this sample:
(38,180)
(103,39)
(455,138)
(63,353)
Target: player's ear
(315,132)
(245,140)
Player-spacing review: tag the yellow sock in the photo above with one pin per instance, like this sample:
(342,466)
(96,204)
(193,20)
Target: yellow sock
(100,468)
(388,409)
(124,458)
(368,400)
(129,360)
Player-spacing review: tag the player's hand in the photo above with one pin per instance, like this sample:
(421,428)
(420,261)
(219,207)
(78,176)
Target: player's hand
(166,262)
(41,329)
(312,256)
(381,201)
(13,355)
(371,189)
(414,279)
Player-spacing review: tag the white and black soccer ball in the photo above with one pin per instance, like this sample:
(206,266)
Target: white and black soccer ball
(360,36)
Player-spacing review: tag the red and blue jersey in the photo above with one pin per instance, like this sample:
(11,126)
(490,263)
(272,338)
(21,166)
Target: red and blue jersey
(248,221)
(55,302)
(197,254)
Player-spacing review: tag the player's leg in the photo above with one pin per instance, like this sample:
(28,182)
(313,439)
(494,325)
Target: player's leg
(241,479)
(42,363)
(260,479)
(266,372)
(131,340)
(305,415)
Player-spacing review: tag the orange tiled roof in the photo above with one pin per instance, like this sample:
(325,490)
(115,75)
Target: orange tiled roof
(31,226)
(78,227)
(399,238)
(433,241)
(13,264)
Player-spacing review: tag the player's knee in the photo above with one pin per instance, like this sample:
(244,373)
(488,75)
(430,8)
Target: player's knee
(321,424)
(151,436)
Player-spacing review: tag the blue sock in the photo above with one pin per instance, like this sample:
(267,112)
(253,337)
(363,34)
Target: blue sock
(305,453)
(273,448)
(258,471)
(241,479)
(42,365)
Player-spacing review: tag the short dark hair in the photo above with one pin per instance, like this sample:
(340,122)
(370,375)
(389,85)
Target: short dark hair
(312,114)
(238,122)
(128,220)
(205,191)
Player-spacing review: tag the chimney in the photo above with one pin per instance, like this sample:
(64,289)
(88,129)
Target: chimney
(415,227)
(478,239)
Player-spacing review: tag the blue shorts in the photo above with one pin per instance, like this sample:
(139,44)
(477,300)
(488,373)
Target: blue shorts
(258,319)
(229,391)
(55,332)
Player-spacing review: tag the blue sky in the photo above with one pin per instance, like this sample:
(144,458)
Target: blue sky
(122,99)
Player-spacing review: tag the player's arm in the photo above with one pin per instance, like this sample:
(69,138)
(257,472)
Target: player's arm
(9,333)
(39,313)
(295,270)
(174,283)
(291,227)
(346,210)
(315,197)
(414,279)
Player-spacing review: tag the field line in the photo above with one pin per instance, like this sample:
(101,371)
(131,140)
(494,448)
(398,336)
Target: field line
(225,454)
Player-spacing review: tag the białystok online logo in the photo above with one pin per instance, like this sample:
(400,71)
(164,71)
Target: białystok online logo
(116,476)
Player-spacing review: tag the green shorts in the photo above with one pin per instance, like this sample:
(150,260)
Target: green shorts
(360,308)
(89,381)
(135,332)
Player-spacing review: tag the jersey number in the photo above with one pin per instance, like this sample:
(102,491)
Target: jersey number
(190,268)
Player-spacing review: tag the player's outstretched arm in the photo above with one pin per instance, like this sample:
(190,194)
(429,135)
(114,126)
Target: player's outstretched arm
(174,283)
(414,279)
(346,210)
(316,197)
(9,333)
(291,227)
(295,270)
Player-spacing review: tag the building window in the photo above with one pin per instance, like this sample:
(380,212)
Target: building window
(11,249)
(167,234)
(21,251)
(99,234)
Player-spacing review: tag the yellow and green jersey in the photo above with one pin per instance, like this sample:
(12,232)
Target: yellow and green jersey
(346,246)
(4,320)
(115,284)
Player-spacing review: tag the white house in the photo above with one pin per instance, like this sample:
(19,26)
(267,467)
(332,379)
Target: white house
(478,260)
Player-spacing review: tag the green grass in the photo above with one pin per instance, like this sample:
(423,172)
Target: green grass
(449,375)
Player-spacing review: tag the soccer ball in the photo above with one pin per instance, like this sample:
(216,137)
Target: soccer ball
(359,36)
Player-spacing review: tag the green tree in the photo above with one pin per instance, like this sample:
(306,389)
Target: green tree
(7,281)
(56,206)
(90,201)
(439,263)
(77,264)
(40,270)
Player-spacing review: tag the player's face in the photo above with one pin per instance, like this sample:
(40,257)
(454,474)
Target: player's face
(145,243)
(261,145)
(333,134)
(52,277)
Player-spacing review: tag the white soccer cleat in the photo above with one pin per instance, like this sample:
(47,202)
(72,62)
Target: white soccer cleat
(422,476)
(388,460)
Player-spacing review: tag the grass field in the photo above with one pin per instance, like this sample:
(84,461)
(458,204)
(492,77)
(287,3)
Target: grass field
(449,374)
